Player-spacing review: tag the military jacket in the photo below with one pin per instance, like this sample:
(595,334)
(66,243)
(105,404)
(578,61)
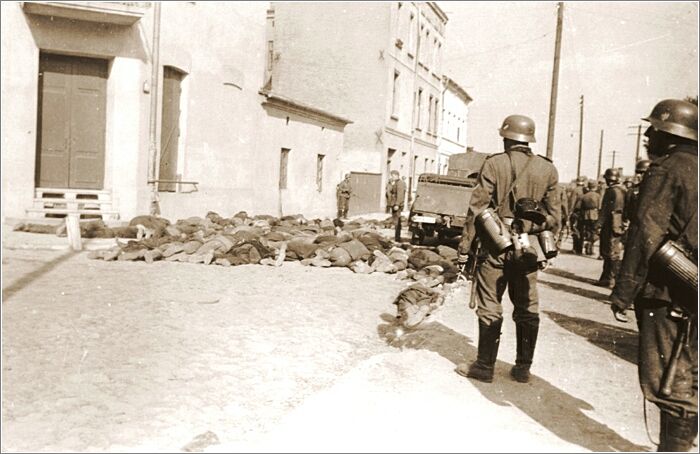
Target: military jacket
(666,209)
(539,181)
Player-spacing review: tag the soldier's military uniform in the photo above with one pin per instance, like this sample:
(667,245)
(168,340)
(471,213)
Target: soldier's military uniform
(575,221)
(611,228)
(666,210)
(633,193)
(395,195)
(537,178)
(343,192)
(587,210)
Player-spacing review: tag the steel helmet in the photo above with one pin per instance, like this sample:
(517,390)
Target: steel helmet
(592,185)
(612,175)
(642,166)
(676,117)
(580,181)
(518,127)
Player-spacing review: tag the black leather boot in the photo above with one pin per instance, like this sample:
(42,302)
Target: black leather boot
(526,334)
(614,271)
(677,434)
(605,277)
(489,339)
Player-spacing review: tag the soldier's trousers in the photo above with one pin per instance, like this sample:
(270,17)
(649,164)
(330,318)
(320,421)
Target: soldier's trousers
(493,277)
(610,244)
(396,217)
(657,333)
(343,207)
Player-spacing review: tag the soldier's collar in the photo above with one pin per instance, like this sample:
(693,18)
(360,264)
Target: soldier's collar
(523,148)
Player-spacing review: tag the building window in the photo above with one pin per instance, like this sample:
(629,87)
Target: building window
(395,95)
(425,166)
(284,162)
(434,57)
(459,130)
(319,172)
(436,109)
(419,96)
(270,55)
(412,35)
(438,63)
(389,157)
(430,113)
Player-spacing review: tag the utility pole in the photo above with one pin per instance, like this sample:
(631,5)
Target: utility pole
(614,153)
(555,82)
(580,141)
(639,140)
(600,153)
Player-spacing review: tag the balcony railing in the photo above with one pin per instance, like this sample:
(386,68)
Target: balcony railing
(120,13)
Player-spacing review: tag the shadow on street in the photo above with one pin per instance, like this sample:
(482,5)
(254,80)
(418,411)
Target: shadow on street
(569,275)
(28,278)
(621,342)
(557,411)
(586,293)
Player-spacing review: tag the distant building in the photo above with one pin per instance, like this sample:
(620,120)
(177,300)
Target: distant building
(76,124)
(453,122)
(377,63)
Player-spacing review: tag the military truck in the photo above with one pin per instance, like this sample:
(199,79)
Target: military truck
(441,201)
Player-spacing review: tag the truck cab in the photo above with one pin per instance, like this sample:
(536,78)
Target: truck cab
(441,201)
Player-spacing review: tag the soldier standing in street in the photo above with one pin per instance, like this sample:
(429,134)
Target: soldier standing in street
(587,208)
(396,193)
(343,192)
(665,302)
(633,193)
(575,222)
(611,228)
(504,180)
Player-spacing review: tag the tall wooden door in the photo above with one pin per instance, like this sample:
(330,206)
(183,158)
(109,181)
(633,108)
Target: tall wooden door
(170,127)
(71,123)
(366,193)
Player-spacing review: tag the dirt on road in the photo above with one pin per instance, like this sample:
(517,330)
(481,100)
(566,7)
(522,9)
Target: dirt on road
(126,356)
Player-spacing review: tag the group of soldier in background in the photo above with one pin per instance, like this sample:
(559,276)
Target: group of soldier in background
(602,212)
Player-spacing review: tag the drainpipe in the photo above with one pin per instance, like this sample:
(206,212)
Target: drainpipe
(411,165)
(153,170)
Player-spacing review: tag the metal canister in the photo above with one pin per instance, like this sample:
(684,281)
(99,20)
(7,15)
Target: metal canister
(491,227)
(548,244)
(671,257)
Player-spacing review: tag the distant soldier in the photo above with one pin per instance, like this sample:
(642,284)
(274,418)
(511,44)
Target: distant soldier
(564,218)
(665,302)
(505,181)
(587,209)
(633,193)
(395,195)
(628,183)
(343,191)
(611,228)
(575,221)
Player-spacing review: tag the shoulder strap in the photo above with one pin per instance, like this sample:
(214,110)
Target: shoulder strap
(514,179)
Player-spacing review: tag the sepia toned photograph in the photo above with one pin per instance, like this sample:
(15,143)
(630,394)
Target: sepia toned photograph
(344,226)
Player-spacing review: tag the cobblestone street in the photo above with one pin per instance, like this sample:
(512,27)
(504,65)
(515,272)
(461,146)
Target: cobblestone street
(126,356)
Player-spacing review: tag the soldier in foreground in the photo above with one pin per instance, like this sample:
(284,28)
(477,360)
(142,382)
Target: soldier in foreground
(659,272)
(611,228)
(510,182)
